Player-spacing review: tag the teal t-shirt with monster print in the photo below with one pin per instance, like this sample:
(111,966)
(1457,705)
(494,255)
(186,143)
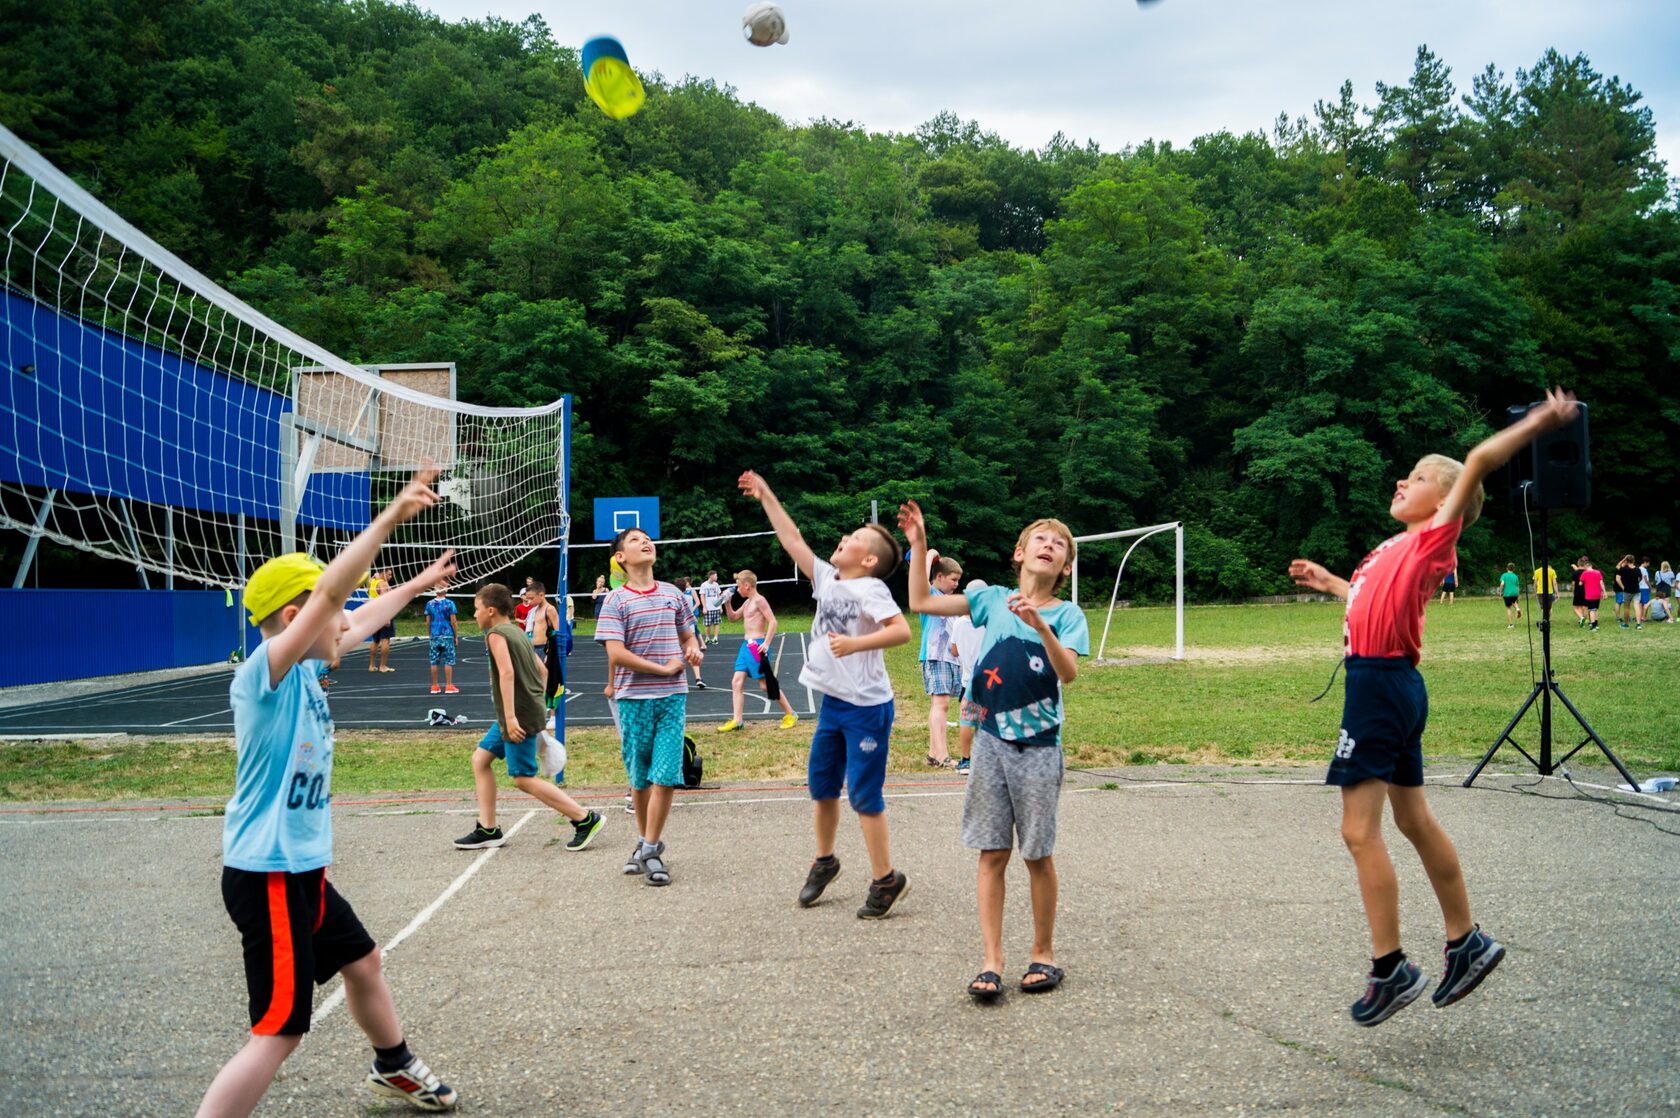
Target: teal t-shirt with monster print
(1015,690)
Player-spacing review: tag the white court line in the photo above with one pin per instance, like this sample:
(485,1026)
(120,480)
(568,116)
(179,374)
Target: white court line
(424,915)
(196,717)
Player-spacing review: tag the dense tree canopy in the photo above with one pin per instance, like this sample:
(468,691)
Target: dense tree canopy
(1255,334)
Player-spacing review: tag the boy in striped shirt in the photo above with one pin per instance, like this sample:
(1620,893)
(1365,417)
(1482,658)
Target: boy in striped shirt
(648,629)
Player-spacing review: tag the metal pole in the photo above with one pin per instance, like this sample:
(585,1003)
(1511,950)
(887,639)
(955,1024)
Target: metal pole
(168,547)
(565,553)
(1546,766)
(41,515)
(1178,601)
(874,512)
(239,613)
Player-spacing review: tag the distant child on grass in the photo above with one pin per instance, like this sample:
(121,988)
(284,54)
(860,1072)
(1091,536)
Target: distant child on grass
(758,624)
(442,636)
(966,639)
(1031,648)
(277,834)
(941,672)
(1379,754)
(516,686)
(1510,588)
(692,597)
(855,622)
(711,597)
(648,629)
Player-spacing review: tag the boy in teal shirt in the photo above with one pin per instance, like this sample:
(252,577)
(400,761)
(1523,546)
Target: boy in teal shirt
(277,838)
(1510,588)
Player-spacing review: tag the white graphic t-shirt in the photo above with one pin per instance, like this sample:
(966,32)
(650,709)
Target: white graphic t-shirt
(852,607)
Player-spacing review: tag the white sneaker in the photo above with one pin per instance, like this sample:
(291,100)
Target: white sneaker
(415,1082)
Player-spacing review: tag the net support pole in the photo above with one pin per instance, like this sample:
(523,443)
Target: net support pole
(29,548)
(168,547)
(239,611)
(565,484)
(1178,595)
(288,486)
(134,542)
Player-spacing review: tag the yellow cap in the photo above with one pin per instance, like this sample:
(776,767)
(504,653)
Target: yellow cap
(278,581)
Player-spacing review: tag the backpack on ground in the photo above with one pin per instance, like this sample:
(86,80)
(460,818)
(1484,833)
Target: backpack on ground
(692,764)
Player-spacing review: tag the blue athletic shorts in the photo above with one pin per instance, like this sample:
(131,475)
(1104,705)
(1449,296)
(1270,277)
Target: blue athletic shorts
(521,756)
(1383,717)
(652,739)
(745,661)
(1644,595)
(441,650)
(849,750)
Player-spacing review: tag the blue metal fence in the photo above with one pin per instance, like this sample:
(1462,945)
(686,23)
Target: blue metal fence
(72,634)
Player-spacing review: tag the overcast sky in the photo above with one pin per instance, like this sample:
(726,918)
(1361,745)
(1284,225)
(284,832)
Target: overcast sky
(1111,70)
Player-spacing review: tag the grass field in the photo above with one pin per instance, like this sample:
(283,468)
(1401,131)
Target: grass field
(1240,696)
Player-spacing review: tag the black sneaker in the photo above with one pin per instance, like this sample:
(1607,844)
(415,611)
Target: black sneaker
(700,685)
(584,830)
(817,880)
(1467,964)
(882,897)
(1384,997)
(480,838)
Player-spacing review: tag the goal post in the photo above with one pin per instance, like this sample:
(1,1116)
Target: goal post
(1137,536)
(152,417)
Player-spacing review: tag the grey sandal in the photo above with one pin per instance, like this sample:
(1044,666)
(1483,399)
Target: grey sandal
(657,874)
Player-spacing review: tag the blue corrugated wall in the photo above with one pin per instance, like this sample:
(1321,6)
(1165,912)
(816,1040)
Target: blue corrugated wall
(72,634)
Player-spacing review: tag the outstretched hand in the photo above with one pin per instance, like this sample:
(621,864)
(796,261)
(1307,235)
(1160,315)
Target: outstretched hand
(441,570)
(753,485)
(1559,409)
(913,524)
(1306,573)
(416,497)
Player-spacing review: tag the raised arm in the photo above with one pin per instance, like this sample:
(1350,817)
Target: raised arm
(1314,577)
(787,532)
(373,616)
(1559,408)
(922,600)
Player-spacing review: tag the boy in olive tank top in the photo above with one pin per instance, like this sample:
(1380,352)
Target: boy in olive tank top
(516,684)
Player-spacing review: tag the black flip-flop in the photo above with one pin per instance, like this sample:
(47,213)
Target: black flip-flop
(991,995)
(1052,978)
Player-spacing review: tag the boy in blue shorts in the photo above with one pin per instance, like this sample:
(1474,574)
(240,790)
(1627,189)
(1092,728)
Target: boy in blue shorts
(1029,651)
(516,687)
(277,838)
(1379,753)
(855,622)
(441,637)
(648,629)
(758,635)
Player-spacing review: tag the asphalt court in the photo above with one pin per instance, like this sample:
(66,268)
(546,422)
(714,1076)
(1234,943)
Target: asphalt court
(1211,933)
(401,699)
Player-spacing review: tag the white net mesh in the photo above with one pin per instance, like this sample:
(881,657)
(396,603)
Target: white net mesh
(149,416)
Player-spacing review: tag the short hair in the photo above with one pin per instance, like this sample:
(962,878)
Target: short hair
(945,565)
(1061,530)
(711,574)
(493,595)
(270,625)
(1510,566)
(623,534)
(681,583)
(884,546)
(1447,472)
(747,577)
(536,586)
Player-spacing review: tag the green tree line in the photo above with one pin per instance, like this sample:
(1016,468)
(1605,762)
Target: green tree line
(1255,334)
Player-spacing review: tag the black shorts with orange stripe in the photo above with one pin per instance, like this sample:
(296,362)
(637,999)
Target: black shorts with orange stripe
(297,930)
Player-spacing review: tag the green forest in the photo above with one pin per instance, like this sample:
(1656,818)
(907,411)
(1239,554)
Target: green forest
(1255,334)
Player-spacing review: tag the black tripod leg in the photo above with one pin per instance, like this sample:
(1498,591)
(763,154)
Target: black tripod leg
(1598,741)
(1504,736)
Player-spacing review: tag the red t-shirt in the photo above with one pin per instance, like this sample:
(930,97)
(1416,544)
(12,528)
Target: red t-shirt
(1592,584)
(1390,587)
(520,609)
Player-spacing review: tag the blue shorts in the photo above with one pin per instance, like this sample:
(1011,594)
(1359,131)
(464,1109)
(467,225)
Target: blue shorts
(1644,595)
(1619,597)
(1383,717)
(941,677)
(745,661)
(441,650)
(651,732)
(849,750)
(521,756)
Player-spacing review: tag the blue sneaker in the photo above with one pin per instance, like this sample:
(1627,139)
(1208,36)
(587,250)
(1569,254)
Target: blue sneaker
(1385,997)
(1467,964)
(962,766)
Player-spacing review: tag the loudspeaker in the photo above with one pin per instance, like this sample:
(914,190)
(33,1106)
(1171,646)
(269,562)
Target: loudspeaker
(1558,466)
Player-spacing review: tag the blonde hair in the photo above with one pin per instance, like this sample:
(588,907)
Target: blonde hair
(1061,530)
(1447,472)
(747,577)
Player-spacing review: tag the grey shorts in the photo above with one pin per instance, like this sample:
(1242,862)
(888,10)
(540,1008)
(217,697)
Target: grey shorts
(1012,792)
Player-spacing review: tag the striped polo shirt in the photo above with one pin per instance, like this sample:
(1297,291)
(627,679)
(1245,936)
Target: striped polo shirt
(649,623)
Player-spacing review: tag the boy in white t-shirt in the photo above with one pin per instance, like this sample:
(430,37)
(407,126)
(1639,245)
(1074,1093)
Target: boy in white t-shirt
(856,620)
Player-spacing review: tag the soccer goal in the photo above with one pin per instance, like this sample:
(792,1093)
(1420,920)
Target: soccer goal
(149,416)
(1088,550)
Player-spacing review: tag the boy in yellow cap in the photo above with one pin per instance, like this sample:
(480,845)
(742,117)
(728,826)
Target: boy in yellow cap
(277,838)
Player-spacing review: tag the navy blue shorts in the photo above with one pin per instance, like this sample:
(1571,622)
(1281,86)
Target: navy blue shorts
(1383,717)
(849,749)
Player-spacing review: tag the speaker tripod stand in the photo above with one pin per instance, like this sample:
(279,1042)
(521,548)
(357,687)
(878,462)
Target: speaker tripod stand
(1544,690)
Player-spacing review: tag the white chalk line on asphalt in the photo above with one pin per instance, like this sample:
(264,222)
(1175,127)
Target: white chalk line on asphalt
(424,915)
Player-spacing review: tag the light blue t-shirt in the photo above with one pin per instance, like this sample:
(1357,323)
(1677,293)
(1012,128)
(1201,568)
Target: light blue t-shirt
(439,611)
(936,634)
(278,819)
(1015,686)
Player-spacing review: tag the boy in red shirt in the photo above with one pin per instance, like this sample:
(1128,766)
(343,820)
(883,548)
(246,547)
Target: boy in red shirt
(1379,755)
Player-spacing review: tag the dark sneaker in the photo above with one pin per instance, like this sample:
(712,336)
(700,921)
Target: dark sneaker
(882,897)
(700,685)
(962,766)
(1467,964)
(636,864)
(480,838)
(1385,997)
(414,1082)
(817,880)
(584,830)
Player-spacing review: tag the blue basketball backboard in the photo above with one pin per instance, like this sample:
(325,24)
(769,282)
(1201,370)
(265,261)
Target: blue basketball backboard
(614,514)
